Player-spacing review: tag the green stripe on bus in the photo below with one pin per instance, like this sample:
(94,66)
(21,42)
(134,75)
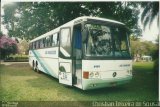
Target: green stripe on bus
(44,65)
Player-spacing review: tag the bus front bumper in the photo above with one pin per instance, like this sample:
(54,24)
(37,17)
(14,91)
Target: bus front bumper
(100,83)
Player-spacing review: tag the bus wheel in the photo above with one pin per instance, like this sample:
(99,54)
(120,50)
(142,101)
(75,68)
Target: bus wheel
(33,65)
(36,68)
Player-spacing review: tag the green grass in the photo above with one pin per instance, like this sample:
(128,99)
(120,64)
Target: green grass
(20,83)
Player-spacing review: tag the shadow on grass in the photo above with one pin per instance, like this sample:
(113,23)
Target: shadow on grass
(20,69)
(102,91)
(48,82)
(142,83)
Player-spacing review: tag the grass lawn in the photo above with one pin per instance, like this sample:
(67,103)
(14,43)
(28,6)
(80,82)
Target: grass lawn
(20,83)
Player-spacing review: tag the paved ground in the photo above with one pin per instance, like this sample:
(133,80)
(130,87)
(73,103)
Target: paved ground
(10,63)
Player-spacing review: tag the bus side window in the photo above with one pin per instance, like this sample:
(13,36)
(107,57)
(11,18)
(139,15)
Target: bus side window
(38,44)
(34,45)
(54,43)
(43,42)
(46,42)
(51,40)
(65,41)
(58,38)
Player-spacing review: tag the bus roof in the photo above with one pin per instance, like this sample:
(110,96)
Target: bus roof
(102,19)
(84,18)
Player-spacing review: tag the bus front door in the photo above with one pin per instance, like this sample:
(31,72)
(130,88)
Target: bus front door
(65,74)
(77,57)
(65,61)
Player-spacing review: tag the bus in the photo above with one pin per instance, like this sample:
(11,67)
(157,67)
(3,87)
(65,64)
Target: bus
(87,52)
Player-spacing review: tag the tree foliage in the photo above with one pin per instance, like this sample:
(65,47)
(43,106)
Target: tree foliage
(7,46)
(23,47)
(150,12)
(31,19)
(143,48)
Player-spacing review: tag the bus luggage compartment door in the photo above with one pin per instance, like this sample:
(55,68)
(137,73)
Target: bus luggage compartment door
(65,74)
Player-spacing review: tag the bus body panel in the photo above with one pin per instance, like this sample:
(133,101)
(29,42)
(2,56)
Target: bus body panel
(47,60)
(111,72)
(65,74)
(101,83)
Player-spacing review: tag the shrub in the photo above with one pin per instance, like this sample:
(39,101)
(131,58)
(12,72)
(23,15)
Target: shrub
(7,46)
(17,58)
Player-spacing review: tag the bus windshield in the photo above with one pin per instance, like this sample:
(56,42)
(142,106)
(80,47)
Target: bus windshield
(107,41)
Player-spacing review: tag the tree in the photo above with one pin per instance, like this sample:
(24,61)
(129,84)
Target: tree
(139,48)
(150,12)
(23,47)
(7,46)
(37,18)
(10,19)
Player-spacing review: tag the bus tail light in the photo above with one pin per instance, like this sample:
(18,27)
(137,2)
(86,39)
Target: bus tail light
(85,74)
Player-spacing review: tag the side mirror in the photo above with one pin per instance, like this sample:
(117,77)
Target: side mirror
(85,33)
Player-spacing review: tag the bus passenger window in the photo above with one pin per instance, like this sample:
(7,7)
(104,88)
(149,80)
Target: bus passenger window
(38,44)
(51,40)
(41,43)
(54,39)
(34,45)
(47,41)
(65,41)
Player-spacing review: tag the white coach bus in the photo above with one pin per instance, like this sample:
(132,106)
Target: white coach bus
(87,52)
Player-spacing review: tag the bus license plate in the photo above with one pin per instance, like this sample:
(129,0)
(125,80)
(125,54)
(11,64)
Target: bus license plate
(113,83)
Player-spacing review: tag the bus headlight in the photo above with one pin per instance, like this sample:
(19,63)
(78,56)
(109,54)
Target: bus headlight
(96,74)
(91,74)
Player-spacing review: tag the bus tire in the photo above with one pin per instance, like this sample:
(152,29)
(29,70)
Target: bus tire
(33,65)
(36,68)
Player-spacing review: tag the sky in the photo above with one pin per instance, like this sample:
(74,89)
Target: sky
(147,34)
